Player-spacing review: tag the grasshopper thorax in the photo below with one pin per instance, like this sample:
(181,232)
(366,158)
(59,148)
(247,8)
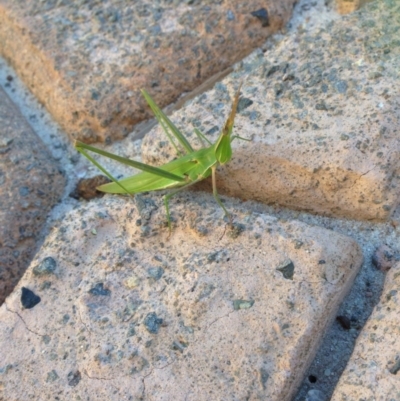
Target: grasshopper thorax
(223,149)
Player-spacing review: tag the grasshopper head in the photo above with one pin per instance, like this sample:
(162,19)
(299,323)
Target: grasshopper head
(223,148)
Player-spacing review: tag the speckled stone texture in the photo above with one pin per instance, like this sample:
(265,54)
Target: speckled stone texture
(207,313)
(87,60)
(348,6)
(30,184)
(66,342)
(322,111)
(373,372)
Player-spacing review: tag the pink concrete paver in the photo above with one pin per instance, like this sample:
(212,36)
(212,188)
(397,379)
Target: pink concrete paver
(321,111)
(206,313)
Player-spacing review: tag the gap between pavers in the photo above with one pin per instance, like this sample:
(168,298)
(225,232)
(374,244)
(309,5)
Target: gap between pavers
(373,372)
(30,184)
(87,61)
(321,110)
(206,313)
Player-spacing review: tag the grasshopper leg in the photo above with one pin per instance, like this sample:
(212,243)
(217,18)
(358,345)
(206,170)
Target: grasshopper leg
(170,195)
(215,193)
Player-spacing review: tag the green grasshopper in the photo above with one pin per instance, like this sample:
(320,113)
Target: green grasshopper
(181,173)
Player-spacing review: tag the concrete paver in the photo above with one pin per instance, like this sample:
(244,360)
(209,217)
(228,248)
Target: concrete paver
(30,185)
(321,110)
(372,374)
(206,313)
(87,61)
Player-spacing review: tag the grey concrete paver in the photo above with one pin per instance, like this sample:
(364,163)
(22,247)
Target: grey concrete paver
(322,112)
(206,313)
(30,184)
(373,372)
(87,60)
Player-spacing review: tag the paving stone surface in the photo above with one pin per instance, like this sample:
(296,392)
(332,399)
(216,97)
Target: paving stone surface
(112,307)
(373,372)
(30,184)
(322,111)
(87,60)
(107,358)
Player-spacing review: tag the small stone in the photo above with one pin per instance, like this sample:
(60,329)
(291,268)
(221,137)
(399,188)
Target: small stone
(287,269)
(262,15)
(395,367)
(264,376)
(298,244)
(132,282)
(74,378)
(99,289)
(24,191)
(4,142)
(155,272)
(131,330)
(45,267)
(6,369)
(29,299)
(242,304)
(321,106)
(179,346)
(212,130)
(243,103)
(383,258)
(152,323)
(230,16)
(344,321)
(52,376)
(297,101)
(341,86)
(46,339)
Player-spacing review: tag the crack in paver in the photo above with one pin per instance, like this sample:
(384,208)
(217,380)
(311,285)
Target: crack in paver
(26,326)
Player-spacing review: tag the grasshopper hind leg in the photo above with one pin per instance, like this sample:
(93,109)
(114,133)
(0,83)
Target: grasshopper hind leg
(169,196)
(215,193)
